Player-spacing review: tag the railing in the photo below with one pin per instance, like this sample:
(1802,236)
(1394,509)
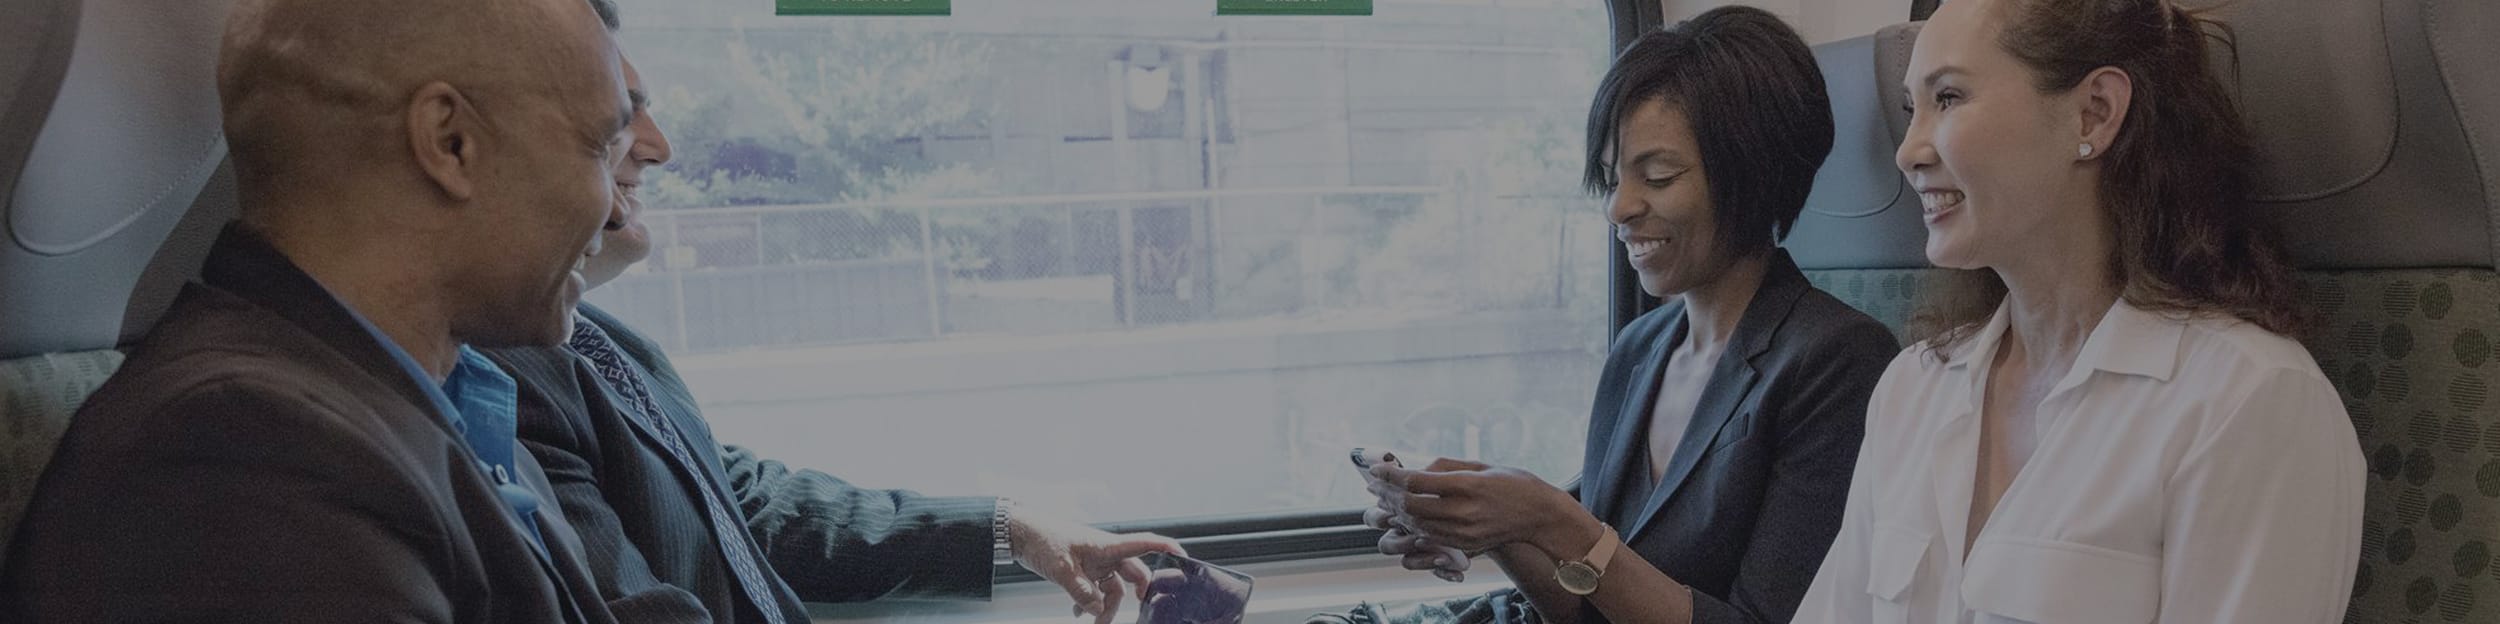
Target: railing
(753,276)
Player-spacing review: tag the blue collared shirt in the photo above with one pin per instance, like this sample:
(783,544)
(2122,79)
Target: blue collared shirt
(483,404)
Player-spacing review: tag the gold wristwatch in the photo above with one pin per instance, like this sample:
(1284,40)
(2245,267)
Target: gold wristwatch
(1580,577)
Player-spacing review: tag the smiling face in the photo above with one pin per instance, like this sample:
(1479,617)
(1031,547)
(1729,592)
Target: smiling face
(1993,158)
(544,187)
(1661,202)
(627,240)
(2080,149)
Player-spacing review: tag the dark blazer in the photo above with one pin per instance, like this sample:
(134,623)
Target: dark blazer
(1753,494)
(262,458)
(650,541)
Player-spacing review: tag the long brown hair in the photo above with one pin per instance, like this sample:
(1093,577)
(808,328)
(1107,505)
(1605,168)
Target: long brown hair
(2174,183)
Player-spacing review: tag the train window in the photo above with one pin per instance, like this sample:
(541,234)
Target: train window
(1126,259)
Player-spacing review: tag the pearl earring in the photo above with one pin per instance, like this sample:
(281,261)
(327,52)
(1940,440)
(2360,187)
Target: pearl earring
(2083,150)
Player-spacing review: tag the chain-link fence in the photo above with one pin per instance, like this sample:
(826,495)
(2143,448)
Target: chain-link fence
(747,277)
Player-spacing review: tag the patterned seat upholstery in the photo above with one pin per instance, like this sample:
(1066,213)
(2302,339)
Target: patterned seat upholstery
(1886,294)
(37,396)
(2390,214)
(2416,354)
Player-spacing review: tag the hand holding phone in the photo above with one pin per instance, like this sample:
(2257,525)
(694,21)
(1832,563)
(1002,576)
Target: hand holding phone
(1449,564)
(1188,591)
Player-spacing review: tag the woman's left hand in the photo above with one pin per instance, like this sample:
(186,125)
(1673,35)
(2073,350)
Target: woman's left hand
(1476,507)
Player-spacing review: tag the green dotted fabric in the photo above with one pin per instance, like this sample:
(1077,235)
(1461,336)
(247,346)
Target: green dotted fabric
(2413,353)
(1885,294)
(37,396)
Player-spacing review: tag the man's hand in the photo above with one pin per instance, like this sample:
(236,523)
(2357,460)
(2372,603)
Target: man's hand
(1087,562)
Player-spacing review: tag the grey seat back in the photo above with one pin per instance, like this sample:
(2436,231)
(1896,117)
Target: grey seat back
(1861,237)
(2378,125)
(109,137)
(111,172)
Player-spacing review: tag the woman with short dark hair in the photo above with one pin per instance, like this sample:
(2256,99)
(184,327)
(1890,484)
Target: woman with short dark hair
(1726,422)
(2110,424)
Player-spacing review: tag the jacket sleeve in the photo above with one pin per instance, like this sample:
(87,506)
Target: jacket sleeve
(831,541)
(835,542)
(1821,422)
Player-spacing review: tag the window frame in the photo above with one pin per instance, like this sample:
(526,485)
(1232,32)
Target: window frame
(1257,537)
(1235,539)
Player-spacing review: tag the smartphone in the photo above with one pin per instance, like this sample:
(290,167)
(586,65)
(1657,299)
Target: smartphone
(1181,590)
(1366,457)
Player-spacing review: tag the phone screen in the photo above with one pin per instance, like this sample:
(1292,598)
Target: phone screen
(1366,457)
(1181,590)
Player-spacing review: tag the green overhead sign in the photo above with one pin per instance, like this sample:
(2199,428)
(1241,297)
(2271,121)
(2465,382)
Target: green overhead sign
(861,7)
(1293,7)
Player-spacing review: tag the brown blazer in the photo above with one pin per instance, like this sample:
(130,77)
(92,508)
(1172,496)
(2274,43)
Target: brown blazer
(262,458)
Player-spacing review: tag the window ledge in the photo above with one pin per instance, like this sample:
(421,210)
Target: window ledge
(1288,592)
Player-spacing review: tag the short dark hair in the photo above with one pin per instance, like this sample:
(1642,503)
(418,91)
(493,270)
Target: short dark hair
(607,13)
(1750,89)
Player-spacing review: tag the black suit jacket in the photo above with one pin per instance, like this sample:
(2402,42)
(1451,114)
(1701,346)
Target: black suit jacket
(261,458)
(1753,495)
(650,541)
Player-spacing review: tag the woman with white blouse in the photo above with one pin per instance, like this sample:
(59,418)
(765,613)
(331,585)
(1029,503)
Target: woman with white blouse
(2108,423)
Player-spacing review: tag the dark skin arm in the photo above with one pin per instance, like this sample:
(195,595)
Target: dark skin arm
(1528,525)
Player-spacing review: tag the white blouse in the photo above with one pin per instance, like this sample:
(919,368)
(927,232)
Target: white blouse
(2188,470)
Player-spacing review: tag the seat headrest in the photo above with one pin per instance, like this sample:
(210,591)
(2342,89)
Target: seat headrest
(2375,126)
(35,41)
(1862,214)
(109,130)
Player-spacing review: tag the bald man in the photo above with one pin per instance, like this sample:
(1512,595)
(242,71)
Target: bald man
(306,436)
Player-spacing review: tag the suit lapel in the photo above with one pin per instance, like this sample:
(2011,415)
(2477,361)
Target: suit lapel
(659,378)
(243,263)
(651,436)
(1731,381)
(1620,461)
(656,442)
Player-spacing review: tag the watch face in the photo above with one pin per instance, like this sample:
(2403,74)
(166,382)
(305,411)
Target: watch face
(1576,577)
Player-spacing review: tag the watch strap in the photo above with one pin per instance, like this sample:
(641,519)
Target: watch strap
(1002,542)
(1604,551)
